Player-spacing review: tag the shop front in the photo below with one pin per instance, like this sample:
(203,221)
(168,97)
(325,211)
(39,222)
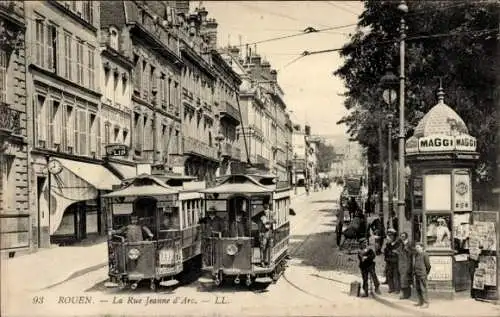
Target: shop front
(74,208)
(441,155)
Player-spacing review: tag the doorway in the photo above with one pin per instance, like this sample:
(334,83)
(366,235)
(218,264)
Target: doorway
(40,181)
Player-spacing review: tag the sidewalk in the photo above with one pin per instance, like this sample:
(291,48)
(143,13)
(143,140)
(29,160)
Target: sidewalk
(49,267)
(460,306)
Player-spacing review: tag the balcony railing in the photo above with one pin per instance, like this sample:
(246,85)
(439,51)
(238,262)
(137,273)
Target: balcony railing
(192,145)
(230,112)
(10,119)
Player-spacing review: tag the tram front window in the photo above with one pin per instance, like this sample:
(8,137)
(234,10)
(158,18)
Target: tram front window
(170,219)
(134,231)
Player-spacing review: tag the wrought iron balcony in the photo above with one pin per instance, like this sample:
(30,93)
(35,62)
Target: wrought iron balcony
(10,119)
(230,112)
(194,146)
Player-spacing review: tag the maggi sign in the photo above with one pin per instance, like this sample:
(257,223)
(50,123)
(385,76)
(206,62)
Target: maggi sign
(444,143)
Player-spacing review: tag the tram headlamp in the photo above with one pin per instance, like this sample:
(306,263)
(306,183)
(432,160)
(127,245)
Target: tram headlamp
(231,249)
(134,254)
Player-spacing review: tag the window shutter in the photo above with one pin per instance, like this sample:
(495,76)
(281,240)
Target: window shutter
(50,48)
(83,132)
(50,126)
(70,129)
(57,126)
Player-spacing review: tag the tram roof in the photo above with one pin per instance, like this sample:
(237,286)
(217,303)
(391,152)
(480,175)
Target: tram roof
(143,185)
(239,183)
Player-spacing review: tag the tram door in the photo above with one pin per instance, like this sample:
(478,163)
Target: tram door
(238,217)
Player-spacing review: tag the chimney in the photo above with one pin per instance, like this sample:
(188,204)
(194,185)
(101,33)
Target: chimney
(274,75)
(210,30)
(266,68)
(255,59)
(234,51)
(182,7)
(202,13)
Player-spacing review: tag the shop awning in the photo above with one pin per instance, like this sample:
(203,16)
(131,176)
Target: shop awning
(126,171)
(94,174)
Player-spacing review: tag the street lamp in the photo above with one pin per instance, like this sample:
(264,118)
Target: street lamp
(403,8)
(387,82)
(295,172)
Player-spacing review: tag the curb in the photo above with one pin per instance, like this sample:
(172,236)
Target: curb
(76,274)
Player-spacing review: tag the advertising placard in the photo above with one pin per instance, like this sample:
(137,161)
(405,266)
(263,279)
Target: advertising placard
(441,268)
(437,199)
(462,190)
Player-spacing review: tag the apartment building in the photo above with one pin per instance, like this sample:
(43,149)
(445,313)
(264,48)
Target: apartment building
(66,172)
(15,217)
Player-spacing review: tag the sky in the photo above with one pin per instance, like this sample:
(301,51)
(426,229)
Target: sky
(311,90)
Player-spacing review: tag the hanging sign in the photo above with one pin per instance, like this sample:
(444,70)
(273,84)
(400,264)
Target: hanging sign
(116,150)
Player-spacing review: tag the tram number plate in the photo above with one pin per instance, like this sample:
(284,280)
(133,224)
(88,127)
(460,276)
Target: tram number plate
(167,256)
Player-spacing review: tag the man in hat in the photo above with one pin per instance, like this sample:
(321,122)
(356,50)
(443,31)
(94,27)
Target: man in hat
(421,269)
(265,235)
(391,261)
(211,224)
(405,254)
(238,227)
(366,257)
(133,231)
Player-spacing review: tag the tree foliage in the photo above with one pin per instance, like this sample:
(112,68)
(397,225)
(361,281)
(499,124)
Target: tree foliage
(455,41)
(325,155)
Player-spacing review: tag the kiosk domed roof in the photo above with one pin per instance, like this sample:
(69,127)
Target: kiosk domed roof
(440,120)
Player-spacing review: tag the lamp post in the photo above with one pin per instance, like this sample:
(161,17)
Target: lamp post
(387,82)
(401,153)
(295,173)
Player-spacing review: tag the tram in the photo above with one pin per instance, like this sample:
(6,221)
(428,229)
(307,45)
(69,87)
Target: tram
(153,230)
(251,213)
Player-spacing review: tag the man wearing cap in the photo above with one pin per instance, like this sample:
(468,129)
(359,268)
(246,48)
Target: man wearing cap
(391,261)
(238,227)
(211,225)
(366,257)
(133,231)
(405,254)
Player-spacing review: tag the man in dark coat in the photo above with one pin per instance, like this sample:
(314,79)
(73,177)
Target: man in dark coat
(405,257)
(352,207)
(421,269)
(238,227)
(391,261)
(377,228)
(134,231)
(211,226)
(366,257)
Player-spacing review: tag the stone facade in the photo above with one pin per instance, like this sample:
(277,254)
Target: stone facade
(15,218)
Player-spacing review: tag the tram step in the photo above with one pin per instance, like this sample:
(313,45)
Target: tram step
(169,283)
(264,280)
(109,284)
(205,280)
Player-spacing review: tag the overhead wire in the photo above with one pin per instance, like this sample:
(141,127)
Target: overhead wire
(408,39)
(333,4)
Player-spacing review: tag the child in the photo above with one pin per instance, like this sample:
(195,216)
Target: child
(421,269)
(366,258)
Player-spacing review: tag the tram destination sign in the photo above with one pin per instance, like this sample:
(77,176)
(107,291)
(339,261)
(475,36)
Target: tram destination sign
(116,150)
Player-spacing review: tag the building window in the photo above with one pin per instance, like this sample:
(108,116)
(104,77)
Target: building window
(145,83)
(7,182)
(55,125)
(52,48)
(137,73)
(91,67)
(88,14)
(113,39)
(70,129)
(41,121)
(79,63)
(68,56)
(3,76)
(39,41)
(92,129)
(82,132)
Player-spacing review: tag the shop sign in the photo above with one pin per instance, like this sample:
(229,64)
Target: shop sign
(116,150)
(441,268)
(439,143)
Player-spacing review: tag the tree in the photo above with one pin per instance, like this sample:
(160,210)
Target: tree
(455,41)
(326,156)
